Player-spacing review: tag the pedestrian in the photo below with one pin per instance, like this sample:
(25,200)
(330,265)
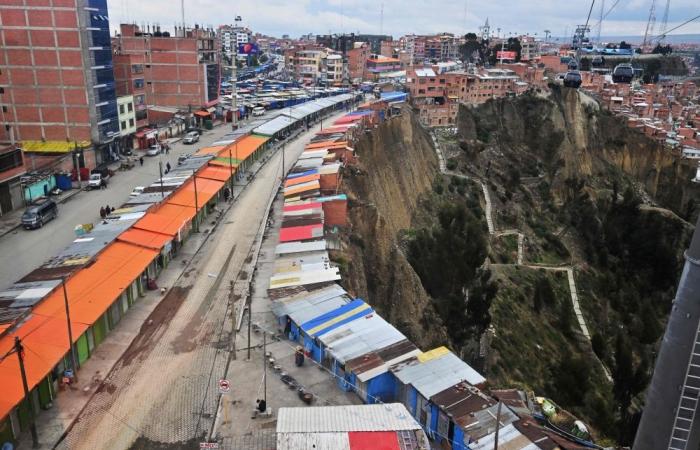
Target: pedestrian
(141,160)
(107,210)
(167,148)
(102,212)
(227,193)
(167,167)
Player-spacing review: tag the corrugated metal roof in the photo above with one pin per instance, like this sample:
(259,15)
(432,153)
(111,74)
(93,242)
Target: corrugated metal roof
(346,418)
(310,305)
(26,294)
(297,263)
(508,437)
(372,364)
(276,125)
(304,278)
(359,337)
(325,323)
(437,374)
(481,424)
(317,441)
(300,247)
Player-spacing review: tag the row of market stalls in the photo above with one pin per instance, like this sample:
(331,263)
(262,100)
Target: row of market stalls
(108,267)
(346,336)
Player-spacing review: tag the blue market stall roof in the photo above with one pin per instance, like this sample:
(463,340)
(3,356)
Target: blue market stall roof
(334,319)
(394,96)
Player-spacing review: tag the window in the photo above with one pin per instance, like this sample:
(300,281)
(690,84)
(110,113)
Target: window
(131,122)
(121,109)
(137,68)
(138,83)
(123,125)
(130,106)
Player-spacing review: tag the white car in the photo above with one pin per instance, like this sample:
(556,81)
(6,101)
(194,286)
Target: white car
(153,150)
(191,137)
(258,111)
(138,190)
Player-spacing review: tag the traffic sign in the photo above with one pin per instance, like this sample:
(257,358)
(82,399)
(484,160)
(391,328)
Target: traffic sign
(224,386)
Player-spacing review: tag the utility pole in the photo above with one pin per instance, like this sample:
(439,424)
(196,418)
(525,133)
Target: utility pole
(74,360)
(498,426)
(196,201)
(230,165)
(20,355)
(264,365)
(160,170)
(250,313)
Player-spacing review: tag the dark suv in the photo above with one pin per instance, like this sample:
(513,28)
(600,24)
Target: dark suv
(36,215)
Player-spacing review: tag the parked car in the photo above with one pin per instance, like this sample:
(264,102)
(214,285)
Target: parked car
(153,150)
(138,190)
(258,111)
(194,129)
(191,137)
(36,215)
(96,181)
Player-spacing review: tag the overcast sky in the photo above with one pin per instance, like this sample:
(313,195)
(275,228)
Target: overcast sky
(296,17)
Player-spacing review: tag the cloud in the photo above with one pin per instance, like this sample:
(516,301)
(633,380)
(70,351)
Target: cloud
(277,17)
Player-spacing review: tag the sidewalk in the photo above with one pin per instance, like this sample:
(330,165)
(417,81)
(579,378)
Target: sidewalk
(53,423)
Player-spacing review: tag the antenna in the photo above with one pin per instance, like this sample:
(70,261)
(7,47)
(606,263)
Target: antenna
(649,32)
(182,15)
(381,20)
(600,22)
(464,19)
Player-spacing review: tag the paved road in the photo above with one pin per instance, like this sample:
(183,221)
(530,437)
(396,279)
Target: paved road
(27,250)
(164,389)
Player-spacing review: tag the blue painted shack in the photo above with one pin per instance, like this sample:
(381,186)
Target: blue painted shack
(293,310)
(313,329)
(369,373)
(426,375)
(354,339)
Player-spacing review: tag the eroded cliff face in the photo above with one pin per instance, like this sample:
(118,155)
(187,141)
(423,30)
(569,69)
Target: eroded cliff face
(575,139)
(396,164)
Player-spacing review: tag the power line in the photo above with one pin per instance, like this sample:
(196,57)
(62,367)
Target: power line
(679,26)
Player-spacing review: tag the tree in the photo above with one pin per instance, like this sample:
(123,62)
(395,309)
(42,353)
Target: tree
(599,346)
(566,319)
(572,379)
(623,375)
(544,293)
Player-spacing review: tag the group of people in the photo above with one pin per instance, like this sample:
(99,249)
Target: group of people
(105,211)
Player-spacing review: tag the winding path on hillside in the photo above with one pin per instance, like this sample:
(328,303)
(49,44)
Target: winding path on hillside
(488,211)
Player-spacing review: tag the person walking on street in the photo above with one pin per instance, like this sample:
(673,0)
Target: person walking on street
(141,161)
(103,214)
(167,167)
(227,193)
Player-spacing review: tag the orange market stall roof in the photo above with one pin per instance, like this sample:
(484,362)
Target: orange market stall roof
(209,150)
(202,113)
(167,219)
(303,179)
(145,238)
(205,190)
(326,144)
(216,172)
(93,289)
(241,150)
(45,342)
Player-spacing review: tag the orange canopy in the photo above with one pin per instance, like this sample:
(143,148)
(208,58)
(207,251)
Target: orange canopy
(91,291)
(206,189)
(301,188)
(326,144)
(304,179)
(94,288)
(242,149)
(209,150)
(201,113)
(45,341)
(145,238)
(167,219)
(216,172)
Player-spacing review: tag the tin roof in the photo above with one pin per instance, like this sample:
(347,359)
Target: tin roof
(331,320)
(375,363)
(359,337)
(482,424)
(305,306)
(310,261)
(508,437)
(300,247)
(436,374)
(346,418)
(27,294)
(305,278)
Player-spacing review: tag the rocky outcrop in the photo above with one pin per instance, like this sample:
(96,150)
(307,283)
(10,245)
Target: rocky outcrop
(573,137)
(396,164)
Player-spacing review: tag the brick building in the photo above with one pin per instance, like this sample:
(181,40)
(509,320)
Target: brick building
(167,71)
(357,61)
(11,169)
(379,66)
(56,78)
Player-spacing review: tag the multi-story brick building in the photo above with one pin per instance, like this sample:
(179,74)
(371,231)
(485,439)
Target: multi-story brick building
(334,70)
(130,79)
(171,71)
(357,61)
(56,78)
(11,169)
(379,66)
